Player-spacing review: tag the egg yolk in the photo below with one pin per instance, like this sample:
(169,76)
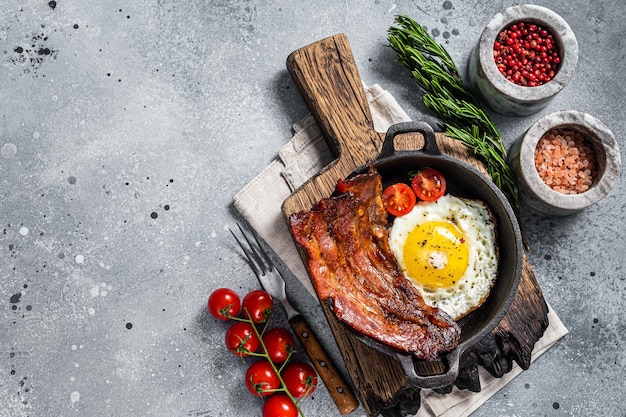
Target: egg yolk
(436,254)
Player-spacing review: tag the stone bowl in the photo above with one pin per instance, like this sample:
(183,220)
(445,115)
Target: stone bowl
(535,193)
(504,96)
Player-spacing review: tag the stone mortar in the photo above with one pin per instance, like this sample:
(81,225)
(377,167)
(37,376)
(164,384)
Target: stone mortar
(500,94)
(542,199)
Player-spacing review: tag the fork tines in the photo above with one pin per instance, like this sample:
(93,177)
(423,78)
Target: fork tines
(257,257)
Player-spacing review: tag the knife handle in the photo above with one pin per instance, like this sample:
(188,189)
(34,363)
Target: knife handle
(337,387)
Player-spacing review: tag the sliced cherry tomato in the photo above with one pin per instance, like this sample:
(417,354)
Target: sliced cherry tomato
(429,184)
(279,405)
(241,339)
(300,379)
(259,306)
(279,344)
(224,303)
(400,199)
(261,379)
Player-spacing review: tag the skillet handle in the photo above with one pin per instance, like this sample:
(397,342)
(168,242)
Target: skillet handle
(432,381)
(430,143)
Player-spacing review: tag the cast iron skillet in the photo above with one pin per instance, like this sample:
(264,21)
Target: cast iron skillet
(463,180)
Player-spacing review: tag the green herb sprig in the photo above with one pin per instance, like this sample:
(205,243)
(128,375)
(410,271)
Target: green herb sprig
(446,95)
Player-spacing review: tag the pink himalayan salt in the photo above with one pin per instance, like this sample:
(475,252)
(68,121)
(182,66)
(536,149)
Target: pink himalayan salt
(565,161)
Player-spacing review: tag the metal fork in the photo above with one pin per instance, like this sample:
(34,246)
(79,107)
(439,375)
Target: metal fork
(272,281)
(265,271)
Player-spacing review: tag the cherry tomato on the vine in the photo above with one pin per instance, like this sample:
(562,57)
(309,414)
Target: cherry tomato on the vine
(261,379)
(429,184)
(300,379)
(279,405)
(259,306)
(400,199)
(241,339)
(279,343)
(224,303)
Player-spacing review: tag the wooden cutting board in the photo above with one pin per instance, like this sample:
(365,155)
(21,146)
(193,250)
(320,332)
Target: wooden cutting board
(328,79)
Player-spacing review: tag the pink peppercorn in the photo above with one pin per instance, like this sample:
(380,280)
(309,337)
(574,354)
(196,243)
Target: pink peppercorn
(526,54)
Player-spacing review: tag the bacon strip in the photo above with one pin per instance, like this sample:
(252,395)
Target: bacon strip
(352,265)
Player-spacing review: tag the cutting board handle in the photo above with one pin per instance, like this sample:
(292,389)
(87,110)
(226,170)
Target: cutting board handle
(329,81)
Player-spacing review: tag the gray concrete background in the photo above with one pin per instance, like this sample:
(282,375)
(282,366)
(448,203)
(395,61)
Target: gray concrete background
(126,127)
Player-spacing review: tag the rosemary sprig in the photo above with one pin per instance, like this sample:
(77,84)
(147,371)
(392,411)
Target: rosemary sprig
(447,96)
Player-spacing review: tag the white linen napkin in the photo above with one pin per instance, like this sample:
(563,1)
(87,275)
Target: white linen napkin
(301,158)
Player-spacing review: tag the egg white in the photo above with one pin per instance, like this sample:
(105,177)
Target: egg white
(476,224)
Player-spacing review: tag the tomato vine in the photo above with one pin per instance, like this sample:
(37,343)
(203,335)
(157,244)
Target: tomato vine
(245,338)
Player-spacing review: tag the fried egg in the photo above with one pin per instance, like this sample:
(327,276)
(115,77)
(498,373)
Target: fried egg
(448,249)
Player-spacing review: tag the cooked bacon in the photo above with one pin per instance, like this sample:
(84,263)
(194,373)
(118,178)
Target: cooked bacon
(353,267)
